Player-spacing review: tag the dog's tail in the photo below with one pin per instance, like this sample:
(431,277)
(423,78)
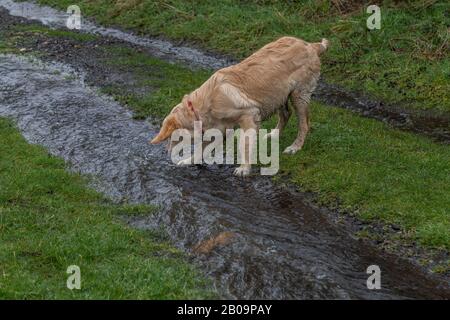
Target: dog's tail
(321,46)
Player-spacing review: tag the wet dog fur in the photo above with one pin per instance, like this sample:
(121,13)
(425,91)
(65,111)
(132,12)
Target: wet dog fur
(251,91)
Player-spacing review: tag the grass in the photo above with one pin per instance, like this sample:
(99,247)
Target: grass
(50,220)
(406,62)
(39,29)
(168,81)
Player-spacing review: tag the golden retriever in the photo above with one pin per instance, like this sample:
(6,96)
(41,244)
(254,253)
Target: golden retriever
(249,92)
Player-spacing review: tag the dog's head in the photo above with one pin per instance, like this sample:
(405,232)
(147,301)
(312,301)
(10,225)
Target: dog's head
(182,116)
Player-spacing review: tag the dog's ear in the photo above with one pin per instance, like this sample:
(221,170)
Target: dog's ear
(188,103)
(170,124)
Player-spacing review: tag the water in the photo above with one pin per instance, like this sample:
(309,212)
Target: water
(256,239)
(159,48)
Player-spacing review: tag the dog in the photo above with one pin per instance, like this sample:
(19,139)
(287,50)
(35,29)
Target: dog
(251,91)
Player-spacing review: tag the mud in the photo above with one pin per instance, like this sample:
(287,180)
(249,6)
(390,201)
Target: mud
(429,123)
(256,239)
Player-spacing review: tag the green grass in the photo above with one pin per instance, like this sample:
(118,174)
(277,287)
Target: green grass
(49,220)
(168,81)
(39,29)
(405,62)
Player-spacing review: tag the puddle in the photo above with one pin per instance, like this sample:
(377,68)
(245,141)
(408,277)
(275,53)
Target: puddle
(436,126)
(256,239)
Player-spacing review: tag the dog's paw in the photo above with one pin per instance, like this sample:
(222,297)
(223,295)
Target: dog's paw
(242,171)
(185,162)
(291,150)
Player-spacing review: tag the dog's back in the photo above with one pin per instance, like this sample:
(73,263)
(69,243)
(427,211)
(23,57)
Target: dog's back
(270,74)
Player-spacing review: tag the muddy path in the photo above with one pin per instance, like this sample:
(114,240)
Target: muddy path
(256,239)
(434,125)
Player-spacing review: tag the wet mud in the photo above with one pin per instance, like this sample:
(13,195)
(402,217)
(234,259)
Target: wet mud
(429,123)
(255,238)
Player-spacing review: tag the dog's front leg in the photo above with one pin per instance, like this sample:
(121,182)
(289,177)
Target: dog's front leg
(247,142)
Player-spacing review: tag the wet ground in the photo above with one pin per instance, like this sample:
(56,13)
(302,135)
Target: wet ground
(429,123)
(256,239)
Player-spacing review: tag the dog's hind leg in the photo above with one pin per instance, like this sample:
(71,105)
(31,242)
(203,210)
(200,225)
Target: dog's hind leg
(284,113)
(300,100)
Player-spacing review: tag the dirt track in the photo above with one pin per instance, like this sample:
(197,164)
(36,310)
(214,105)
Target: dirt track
(261,240)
